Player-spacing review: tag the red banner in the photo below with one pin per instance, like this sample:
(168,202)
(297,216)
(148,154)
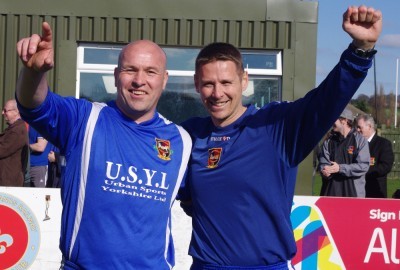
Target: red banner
(346,233)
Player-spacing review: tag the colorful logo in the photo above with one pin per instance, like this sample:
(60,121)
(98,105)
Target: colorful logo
(164,149)
(214,156)
(372,161)
(19,233)
(350,150)
(315,249)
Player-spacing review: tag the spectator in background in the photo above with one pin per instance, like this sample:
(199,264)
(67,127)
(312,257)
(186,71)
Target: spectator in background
(40,148)
(56,168)
(13,147)
(381,160)
(344,160)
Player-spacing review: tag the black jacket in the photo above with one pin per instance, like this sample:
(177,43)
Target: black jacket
(381,163)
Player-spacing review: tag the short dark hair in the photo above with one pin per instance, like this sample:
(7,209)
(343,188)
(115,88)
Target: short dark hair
(219,51)
(348,121)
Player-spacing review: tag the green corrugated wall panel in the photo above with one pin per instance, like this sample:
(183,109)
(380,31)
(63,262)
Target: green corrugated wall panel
(10,70)
(3,19)
(66,73)
(246,34)
(257,10)
(185,32)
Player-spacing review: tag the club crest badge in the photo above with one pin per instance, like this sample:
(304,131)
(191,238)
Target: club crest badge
(350,149)
(372,161)
(214,156)
(19,234)
(163,149)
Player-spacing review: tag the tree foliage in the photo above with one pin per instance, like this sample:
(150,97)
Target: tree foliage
(381,107)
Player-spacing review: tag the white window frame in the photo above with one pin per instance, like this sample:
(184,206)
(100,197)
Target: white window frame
(109,69)
(268,72)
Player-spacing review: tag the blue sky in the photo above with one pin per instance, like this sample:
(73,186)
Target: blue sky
(332,40)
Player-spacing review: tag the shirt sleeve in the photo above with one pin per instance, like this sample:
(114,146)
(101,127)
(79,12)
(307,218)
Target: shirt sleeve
(60,120)
(305,121)
(324,156)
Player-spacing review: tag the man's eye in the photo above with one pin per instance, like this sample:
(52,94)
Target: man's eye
(151,72)
(127,71)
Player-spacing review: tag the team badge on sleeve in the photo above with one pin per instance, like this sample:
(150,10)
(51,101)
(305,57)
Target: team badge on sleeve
(350,150)
(214,156)
(372,161)
(164,149)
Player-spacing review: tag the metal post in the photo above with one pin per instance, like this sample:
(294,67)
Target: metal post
(376,94)
(395,98)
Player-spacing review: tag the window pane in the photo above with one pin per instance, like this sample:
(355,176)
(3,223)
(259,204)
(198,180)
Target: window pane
(107,56)
(181,58)
(180,100)
(97,87)
(259,60)
(261,91)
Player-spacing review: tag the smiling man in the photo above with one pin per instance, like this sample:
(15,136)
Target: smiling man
(117,190)
(242,173)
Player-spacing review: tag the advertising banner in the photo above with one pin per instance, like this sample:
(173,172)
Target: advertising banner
(330,233)
(346,233)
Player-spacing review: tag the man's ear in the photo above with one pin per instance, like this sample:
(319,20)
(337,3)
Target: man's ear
(245,80)
(165,80)
(116,74)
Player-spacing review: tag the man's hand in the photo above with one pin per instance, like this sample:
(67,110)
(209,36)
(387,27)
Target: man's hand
(36,52)
(364,25)
(330,169)
(51,156)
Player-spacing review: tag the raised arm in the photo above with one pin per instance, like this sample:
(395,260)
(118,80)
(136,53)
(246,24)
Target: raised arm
(364,25)
(37,54)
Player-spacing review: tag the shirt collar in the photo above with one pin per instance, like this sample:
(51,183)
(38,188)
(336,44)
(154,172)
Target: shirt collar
(370,138)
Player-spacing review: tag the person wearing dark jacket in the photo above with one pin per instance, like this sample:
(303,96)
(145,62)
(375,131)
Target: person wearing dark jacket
(381,160)
(13,147)
(344,160)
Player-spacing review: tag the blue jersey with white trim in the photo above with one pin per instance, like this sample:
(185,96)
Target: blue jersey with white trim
(241,178)
(120,181)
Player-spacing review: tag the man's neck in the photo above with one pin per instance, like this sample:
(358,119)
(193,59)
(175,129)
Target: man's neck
(10,123)
(346,131)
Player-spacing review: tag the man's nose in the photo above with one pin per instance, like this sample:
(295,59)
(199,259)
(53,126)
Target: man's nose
(139,78)
(217,91)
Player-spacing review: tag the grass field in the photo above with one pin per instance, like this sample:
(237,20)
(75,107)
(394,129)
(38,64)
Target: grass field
(392,185)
